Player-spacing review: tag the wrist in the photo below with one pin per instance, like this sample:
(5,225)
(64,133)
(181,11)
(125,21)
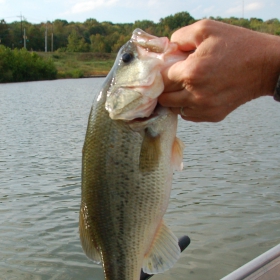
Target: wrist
(274,73)
(263,57)
(277,91)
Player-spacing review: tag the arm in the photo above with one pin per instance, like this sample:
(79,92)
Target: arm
(227,67)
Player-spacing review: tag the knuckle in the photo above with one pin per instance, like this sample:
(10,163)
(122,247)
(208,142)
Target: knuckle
(203,25)
(191,77)
(195,72)
(203,101)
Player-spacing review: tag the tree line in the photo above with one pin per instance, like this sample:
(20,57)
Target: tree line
(105,37)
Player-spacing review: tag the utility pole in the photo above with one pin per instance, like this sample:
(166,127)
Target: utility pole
(242,8)
(46,38)
(52,38)
(21,26)
(24,39)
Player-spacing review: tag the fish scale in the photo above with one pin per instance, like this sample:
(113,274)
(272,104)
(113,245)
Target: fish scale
(126,182)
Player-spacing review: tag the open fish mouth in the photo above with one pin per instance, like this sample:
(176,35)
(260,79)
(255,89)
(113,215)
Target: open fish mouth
(153,115)
(137,124)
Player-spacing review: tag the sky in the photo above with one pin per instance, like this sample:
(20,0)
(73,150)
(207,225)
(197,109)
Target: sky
(128,11)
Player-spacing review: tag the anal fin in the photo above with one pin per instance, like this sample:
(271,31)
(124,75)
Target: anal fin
(164,252)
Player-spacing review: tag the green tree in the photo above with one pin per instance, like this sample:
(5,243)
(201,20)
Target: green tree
(120,42)
(146,25)
(83,46)
(97,43)
(36,38)
(73,42)
(4,33)
(61,32)
(176,21)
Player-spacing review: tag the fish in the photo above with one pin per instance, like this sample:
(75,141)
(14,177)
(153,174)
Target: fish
(129,155)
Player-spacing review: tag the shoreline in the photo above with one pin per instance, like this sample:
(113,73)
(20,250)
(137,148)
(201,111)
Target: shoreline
(59,78)
(96,76)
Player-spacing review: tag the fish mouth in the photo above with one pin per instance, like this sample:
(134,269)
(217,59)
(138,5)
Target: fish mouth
(155,114)
(145,119)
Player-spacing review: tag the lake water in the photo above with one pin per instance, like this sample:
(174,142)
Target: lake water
(227,199)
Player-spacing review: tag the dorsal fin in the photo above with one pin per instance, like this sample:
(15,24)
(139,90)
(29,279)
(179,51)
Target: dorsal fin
(163,253)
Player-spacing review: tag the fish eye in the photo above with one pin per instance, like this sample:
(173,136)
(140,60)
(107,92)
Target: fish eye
(127,57)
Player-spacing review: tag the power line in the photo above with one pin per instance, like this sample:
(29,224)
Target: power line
(33,20)
(10,17)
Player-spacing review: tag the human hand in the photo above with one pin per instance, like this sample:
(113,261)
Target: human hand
(229,66)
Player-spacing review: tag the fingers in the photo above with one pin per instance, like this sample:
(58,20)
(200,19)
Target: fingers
(191,36)
(191,108)
(188,39)
(194,115)
(176,99)
(185,38)
(172,78)
(178,75)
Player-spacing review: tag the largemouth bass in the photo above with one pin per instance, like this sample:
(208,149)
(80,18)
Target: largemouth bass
(129,154)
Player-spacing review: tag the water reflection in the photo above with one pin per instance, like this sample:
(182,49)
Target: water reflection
(226,199)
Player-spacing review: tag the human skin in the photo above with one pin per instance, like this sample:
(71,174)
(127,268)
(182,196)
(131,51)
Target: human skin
(225,67)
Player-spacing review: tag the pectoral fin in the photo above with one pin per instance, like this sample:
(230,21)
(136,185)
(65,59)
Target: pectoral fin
(150,152)
(86,240)
(177,154)
(164,252)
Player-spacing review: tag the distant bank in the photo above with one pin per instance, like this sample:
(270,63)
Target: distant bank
(80,65)
(22,65)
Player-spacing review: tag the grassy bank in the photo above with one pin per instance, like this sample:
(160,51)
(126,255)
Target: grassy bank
(79,65)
